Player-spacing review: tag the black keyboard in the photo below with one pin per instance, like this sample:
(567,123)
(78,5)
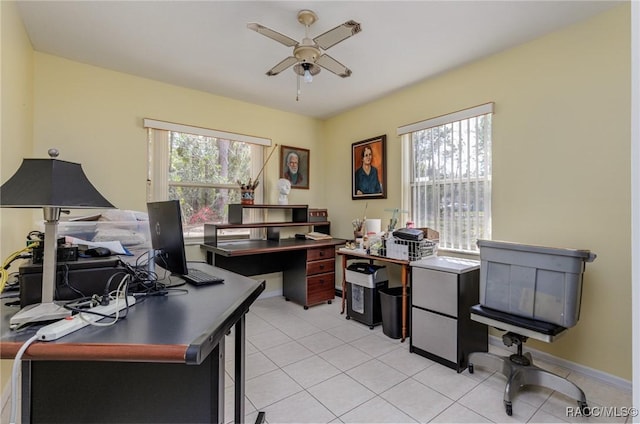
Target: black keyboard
(201,278)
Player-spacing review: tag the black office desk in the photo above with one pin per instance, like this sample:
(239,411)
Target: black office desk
(163,363)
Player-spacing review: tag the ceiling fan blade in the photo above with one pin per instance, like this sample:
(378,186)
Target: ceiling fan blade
(337,34)
(282,66)
(274,35)
(332,65)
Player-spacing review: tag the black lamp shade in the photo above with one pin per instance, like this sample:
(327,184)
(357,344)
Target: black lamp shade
(50,183)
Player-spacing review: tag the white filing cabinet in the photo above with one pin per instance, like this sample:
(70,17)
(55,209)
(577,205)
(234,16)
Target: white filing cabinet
(443,289)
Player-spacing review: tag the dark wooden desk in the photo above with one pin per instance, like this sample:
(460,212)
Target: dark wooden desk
(404,278)
(163,363)
(307,265)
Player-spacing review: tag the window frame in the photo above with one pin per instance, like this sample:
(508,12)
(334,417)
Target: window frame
(158,182)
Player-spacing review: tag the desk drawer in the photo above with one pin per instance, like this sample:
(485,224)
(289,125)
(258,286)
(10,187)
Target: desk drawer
(320,288)
(320,267)
(435,334)
(321,253)
(435,290)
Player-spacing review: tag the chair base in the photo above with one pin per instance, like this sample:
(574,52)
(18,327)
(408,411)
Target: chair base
(520,371)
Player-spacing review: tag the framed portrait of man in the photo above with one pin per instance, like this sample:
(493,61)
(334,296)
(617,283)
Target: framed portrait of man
(294,166)
(368,169)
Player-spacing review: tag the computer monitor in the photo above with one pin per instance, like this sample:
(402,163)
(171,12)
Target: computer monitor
(165,226)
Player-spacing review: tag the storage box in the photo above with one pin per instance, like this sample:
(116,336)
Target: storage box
(542,283)
(131,234)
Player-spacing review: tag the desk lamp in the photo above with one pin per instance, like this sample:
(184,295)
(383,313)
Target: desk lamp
(52,185)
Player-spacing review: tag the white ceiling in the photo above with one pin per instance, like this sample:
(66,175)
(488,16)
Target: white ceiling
(205,45)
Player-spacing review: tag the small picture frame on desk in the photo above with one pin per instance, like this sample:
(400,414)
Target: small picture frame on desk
(368,169)
(294,166)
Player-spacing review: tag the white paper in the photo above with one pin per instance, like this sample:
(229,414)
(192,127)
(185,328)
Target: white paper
(114,246)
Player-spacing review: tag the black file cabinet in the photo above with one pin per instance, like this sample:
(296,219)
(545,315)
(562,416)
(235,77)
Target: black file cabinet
(443,290)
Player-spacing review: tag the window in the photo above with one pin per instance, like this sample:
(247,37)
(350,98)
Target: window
(447,176)
(201,168)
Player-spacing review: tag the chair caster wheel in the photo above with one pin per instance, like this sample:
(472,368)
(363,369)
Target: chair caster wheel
(371,327)
(329,302)
(470,368)
(508,409)
(305,307)
(584,408)
(348,317)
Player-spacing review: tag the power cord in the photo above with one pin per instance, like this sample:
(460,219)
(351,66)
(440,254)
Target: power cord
(84,305)
(119,295)
(145,281)
(65,281)
(4,271)
(15,371)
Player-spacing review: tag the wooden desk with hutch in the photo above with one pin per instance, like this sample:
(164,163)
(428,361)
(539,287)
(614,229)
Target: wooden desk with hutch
(307,266)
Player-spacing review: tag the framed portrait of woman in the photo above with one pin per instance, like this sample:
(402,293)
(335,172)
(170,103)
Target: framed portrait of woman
(294,166)
(368,169)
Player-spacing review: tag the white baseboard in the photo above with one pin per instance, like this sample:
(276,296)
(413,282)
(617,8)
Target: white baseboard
(572,366)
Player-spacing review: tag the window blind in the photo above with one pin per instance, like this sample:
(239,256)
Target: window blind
(447,175)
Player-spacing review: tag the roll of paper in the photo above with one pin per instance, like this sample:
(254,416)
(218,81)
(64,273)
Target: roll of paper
(373,226)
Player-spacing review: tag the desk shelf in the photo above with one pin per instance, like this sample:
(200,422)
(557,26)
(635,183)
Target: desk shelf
(271,224)
(299,218)
(299,213)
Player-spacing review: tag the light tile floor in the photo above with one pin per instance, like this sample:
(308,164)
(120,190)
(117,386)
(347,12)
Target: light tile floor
(314,366)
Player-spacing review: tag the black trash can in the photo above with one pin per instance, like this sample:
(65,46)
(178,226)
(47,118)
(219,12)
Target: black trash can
(391,308)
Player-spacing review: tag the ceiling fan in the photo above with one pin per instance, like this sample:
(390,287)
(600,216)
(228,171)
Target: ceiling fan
(308,55)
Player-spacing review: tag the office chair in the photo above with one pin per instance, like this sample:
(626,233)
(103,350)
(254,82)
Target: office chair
(518,368)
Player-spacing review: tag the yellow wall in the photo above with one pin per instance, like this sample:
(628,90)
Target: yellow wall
(17,115)
(94,116)
(16,92)
(561,148)
(561,170)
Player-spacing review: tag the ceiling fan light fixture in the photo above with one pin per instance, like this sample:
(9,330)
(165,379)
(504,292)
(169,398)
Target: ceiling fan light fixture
(306,70)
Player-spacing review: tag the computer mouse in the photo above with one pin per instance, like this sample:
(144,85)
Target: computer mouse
(98,252)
